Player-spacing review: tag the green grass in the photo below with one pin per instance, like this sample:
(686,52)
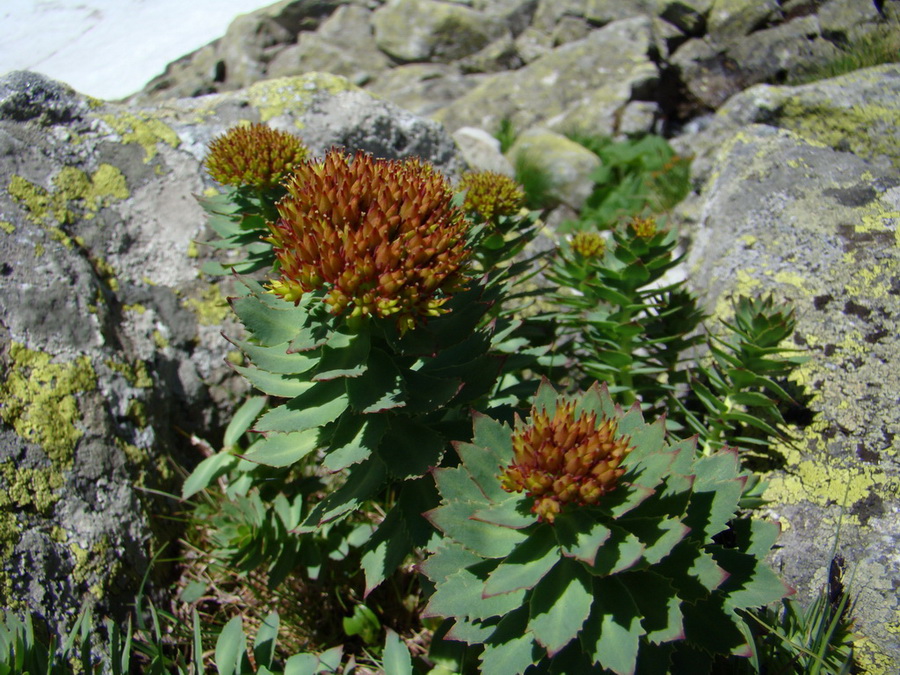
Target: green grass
(874,49)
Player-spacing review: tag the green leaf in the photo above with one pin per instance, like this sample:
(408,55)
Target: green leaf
(580,535)
(206,472)
(621,551)
(657,603)
(268,325)
(514,512)
(560,604)
(231,646)
(612,633)
(659,536)
(277,359)
(354,440)
(490,451)
(448,558)
(410,449)
(462,595)
(345,355)
(525,566)
(284,449)
(545,397)
(397,660)
(379,388)
(275,384)
(266,637)
(315,408)
(511,649)
(427,393)
(692,571)
(488,541)
(363,482)
(456,485)
(243,419)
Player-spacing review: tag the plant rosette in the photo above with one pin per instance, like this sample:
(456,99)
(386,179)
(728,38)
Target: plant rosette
(642,566)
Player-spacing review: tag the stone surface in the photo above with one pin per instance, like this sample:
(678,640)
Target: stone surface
(481,151)
(111,353)
(819,227)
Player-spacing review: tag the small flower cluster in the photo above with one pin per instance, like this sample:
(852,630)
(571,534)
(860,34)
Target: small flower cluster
(645,228)
(588,244)
(491,194)
(255,155)
(564,459)
(380,235)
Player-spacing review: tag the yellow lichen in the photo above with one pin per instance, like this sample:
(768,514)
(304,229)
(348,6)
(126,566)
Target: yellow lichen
(7,227)
(38,400)
(293,94)
(143,129)
(26,488)
(211,307)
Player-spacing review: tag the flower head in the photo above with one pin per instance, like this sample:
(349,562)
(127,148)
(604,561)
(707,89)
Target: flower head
(644,228)
(491,194)
(380,235)
(564,459)
(254,155)
(588,244)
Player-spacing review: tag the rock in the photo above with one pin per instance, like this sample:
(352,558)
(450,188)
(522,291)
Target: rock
(343,45)
(423,88)
(781,213)
(566,163)
(111,353)
(728,19)
(582,84)
(481,151)
(430,30)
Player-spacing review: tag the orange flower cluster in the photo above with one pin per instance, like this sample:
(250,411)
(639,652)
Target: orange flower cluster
(644,228)
(491,194)
(588,244)
(381,235)
(562,460)
(255,156)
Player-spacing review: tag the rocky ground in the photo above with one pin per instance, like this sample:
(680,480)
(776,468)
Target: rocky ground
(110,340)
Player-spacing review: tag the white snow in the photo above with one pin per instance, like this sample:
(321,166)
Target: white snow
(109,49)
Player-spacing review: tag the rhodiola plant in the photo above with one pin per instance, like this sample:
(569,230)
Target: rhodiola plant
(581,540)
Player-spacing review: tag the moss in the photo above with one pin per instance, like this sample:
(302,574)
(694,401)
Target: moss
(29,488)
(293,94)
(137,413)
(143,129)
(37,399)
(211,307)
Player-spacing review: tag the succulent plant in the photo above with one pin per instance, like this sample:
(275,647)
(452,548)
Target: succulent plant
(254,156)
(380,236)
(629,577)
(491,194)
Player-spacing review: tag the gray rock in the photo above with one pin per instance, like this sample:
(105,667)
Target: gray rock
(423,88)
(429,30)
(818,227)
(111,354)
(481,151)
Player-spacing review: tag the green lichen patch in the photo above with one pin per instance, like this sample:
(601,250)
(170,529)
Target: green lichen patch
(7,227)
(293,94)
(38,400)
(29,488)
(135,374)
(211,307)
(143,129)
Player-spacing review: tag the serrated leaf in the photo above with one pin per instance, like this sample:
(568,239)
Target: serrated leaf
(598,401)
(277,359)
(206,472)
(231,646)
(545,397)
(344,355)
(647,439)
(409,448)
(456,485)
(514,512)
(750,582)
(580,535)
(711,625)
(363,482)
(275,384)
(447,558)
(612,633)
(488,541)
(659,536)
(380,387)
(397,660)
(243,419)
(716,494)
(268,325)
(322,404)
(354,440)
(525,566)
(692,571)
(266,637)
(511,649)
(427,393)
(625,498)
(486,456)
(559,605)
(621,551)
(284,449)
(658,605)
(461,595)
(648,470)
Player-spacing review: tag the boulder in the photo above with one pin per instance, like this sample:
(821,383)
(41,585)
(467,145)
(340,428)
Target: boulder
(814,224)
(583,84)
(111,353)
(431,30)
